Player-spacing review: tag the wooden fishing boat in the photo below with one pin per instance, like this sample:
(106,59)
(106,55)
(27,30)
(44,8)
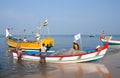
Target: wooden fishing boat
(88,55)
(109,39)
(34,44)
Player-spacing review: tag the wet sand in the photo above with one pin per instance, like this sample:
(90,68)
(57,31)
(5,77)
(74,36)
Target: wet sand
(108,67)
(74,70)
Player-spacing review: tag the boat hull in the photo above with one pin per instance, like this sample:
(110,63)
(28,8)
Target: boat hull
(83,57)
(110,42)
(30,44)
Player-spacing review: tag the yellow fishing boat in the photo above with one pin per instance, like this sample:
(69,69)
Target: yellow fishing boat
(36,44)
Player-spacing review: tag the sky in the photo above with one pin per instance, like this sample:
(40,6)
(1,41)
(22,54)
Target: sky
(64,16)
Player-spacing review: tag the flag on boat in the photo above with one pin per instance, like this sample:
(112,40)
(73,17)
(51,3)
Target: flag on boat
(45,23)
(77,36)
(7,32)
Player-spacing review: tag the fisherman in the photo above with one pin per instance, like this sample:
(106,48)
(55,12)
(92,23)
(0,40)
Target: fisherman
(25,39)
(75,45)
(19,52)
(43,50)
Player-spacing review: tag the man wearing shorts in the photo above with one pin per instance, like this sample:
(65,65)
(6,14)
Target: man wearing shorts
(43,50)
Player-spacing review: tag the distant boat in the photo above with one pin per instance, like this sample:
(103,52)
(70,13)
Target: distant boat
(87,55)
(91,35)
(108,38)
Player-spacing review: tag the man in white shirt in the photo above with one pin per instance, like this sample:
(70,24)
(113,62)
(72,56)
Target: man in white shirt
(43,50)
(25,39)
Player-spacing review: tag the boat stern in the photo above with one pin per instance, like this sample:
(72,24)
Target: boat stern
(49,42)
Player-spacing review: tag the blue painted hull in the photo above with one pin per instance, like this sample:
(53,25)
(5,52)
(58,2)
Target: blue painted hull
(36,52)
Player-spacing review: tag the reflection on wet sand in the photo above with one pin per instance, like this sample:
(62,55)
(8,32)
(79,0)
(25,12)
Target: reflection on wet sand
(74,70)
(83,69)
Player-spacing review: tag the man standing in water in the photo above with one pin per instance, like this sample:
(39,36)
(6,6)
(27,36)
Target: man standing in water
(43,50)
(19,52)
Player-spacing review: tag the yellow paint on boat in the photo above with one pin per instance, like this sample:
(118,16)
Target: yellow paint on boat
(30,44)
